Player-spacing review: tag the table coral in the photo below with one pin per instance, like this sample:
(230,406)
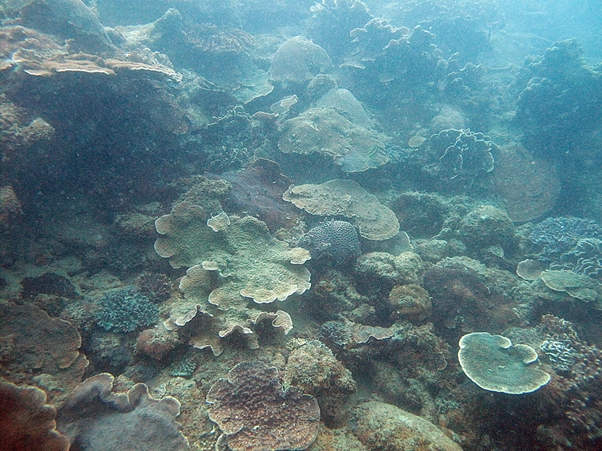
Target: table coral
(27,423)
(204,324)
(495,364)
(347,199)
(226,269)
(261,263)
(324,131)
(255,413)
(99,418)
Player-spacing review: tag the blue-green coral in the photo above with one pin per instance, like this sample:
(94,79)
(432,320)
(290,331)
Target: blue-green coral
(125,310)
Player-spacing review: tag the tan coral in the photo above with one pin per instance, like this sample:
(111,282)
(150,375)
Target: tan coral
(323,131)
(95,415)
(279,419)
(348,199)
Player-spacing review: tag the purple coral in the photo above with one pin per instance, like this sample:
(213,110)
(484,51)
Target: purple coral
(255,412)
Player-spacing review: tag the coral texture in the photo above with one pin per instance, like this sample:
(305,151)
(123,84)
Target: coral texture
(40,348)
(261,263)
(323,131)
(255,413)
(383,426)
(125,310)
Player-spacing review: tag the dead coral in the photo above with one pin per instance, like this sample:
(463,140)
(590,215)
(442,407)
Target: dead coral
(256,413)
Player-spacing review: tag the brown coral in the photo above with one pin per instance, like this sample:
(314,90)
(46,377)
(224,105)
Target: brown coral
(26,422)
(255,413)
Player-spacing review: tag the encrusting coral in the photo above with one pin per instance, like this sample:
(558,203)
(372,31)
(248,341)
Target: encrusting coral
(279,419)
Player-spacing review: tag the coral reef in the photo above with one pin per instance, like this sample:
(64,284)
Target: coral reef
(27,423)
(462,154)
(99,418)
(347,199)
(337,240)
(188,241)
(487,226)
(257,190)
(558,235)
(528,186)
(282,419)
(125,310)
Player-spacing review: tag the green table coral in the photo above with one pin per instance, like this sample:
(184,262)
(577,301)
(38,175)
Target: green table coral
(495,364)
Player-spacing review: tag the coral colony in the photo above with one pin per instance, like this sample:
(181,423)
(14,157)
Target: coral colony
(343,225)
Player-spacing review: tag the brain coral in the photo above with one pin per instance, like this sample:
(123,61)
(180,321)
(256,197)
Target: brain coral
(259,264)
(348,199)
(256,413)
(335,239)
